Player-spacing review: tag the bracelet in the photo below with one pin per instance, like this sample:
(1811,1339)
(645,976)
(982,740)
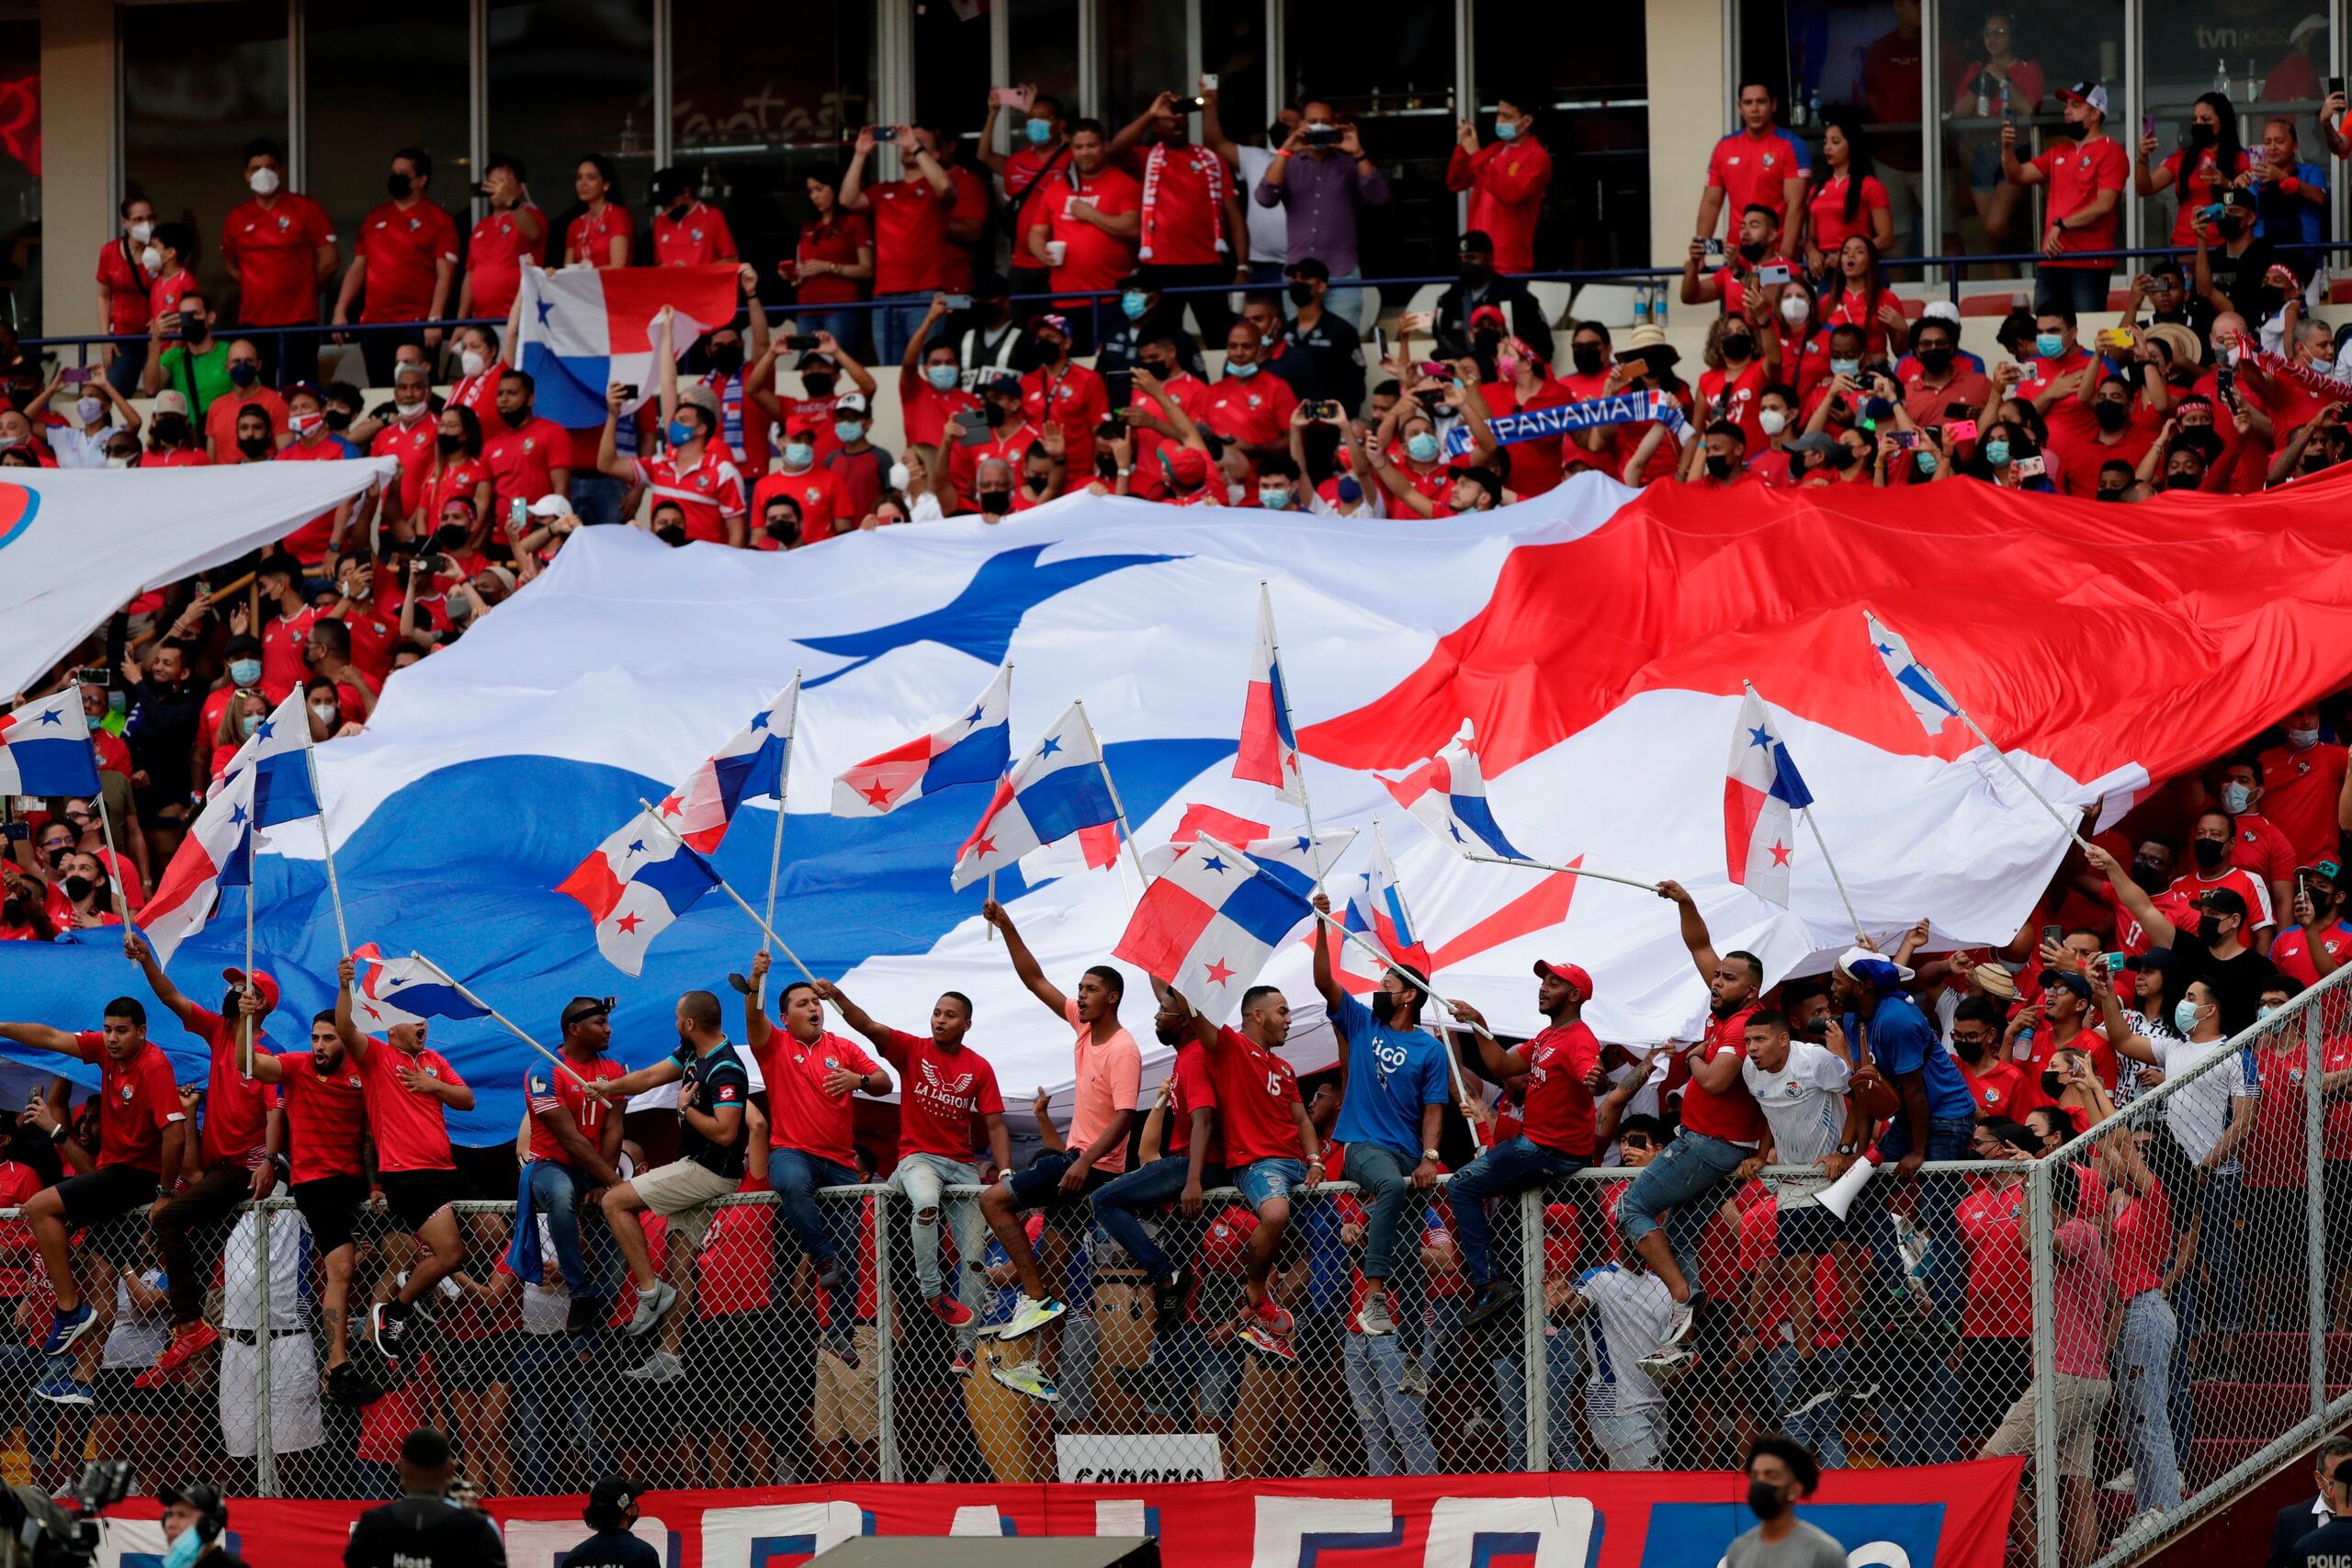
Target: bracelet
(2290,184)
(1282,152)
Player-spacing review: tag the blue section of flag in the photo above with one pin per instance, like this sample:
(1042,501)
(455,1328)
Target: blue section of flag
(1913,678)
(282,791)
(570,388)
(55,766)
(680,880)
(1066,800)
(980,757)
(1267,907)
(751,776)
(1788,785)
(1282,706)
(1472,812)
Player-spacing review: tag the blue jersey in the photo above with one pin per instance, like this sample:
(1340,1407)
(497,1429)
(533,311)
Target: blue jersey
(1392,1074)
(1899,1041)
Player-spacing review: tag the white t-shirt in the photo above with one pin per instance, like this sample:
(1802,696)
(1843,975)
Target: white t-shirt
(1626,1316)
(77,448)
(2199,1111)
(1805,1104)
(1268,226)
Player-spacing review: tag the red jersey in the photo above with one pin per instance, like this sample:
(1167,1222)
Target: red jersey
(2292,950)
(283,667)
(1195,1090)
(818,494)
(496,253)
(1734,398)
(1255,1089)
(461,479)
(1853,310)
(589,237)
(412,1131)
(2140,1243)
(1254,410)
(1998,1092)
(546,1092)
(404,248)
(802,1113)
(326,1115)
(1506,180)
(21,1269)
(2254,889)
(2000,1276)
(479,393)
(164,297)
(220,420)
(926,410)
(2259,847)
(939,1094)
(836,241)
(708,492)
(1078,398)
(372,640)
(2202,185)
(415,444)
(1537,467)
(1184,190)
(910,234)
(1749,170)
(309,542)
(700,237)
(1827,209)
(1093,260)
(735,1270)
(2076,172)
(126,283)
(137,1100)
(236,1107)
(275,250)
(522,463)
(1557,1114)
(1731,1115)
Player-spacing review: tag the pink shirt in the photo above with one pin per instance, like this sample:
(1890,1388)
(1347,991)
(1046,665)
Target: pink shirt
(2081,1290)
(1110,1079)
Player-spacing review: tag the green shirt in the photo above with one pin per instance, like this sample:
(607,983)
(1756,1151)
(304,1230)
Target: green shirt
(199,377)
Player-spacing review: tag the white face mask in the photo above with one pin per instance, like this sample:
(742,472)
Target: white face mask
(117,462)
(87,410)
(326,712)
(472,361)
(1233,494)
(900,477)
(152,259)
(1793,308)
(1771,422)
(2302,740)
(263,181)
(142,232)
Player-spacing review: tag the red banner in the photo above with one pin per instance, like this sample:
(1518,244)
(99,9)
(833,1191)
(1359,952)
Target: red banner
(1938,1517)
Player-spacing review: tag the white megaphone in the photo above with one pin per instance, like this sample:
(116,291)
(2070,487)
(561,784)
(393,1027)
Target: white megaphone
(1839,1195)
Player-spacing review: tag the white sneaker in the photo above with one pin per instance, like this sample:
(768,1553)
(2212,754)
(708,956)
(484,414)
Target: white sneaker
(2124,1481)
(1413,1382)
(650,1309)
(1031,1315)
(2146,1526)
(1028,1378)
(1668,1365)
(659,1367)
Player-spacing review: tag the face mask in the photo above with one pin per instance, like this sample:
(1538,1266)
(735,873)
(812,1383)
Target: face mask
(1241,372)
(727,358)
(799,454)
(995,503)
(2202,136)
(2050,1086)
(1505,131)
(1795,307)
(2150,876)
(1841,456)
(848,432)
(2235,798)
(304,425)
(1752,250)
(79,887)
(900,476)
(1585,357)
(1235,494)
(994,414)
(87,410)
(2265,1011)
(1737,348)
(123,461)
(399,186)
(264,182)
(1771,422)
(2302,740)
(1719,468)
(783,531)
(2050,345)
(1764,1500)
(1923,460)
(1132,306)
(2208,853)
(13,913)
(471,362)
(942,376)
(248,723)
(2182,481)
(818,386)
(258,445)
(1996,452)
(1274,498)
(1474,275)
(1970,1050)
(1848,369)
(2184,1016)
(678,434)
(1935,361)
(340,419)
(185,1549)
(1039,133)
(2323,367)
(1421,447)
(244,373)
(1302,294)
(152,259)
(327,712)
(142,232)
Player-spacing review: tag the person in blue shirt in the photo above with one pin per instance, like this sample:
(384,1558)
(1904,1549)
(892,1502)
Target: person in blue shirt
(2289,195)
(1396,1094)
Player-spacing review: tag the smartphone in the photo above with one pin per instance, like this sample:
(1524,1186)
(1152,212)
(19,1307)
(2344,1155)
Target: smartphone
(1209,80)
(958,301)
(76,375)
(1776,272)
(2029,468)
(801,343)
(2147,126)
(1323,135)
(2225,381)
(1323,408)
(1959,430)
(975,428)
(15,830)
(1380,342)
(1194,104)
(886,134)
(1713,247)
(628,392)
(2335,85)
(2051,934)
(1008,97)
(431,566)
(518,512)
(1436,370)
(1907,439)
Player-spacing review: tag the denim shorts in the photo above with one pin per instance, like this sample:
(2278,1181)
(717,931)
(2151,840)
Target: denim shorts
(1262,1180)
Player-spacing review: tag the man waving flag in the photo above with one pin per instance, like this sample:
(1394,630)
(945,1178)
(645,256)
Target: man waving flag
(217,853)
(1052,792)
(972,747)
(404,990)
(1762,794)
(1268,750)
(1209,923)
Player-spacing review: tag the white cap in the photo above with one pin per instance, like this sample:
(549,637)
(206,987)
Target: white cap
(549,506)
(1940,310)
(851,402)
(2308,25)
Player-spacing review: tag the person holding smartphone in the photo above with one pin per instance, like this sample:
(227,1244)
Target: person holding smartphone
(909,217)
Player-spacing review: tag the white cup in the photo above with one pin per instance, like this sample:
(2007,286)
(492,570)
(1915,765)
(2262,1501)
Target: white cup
(1057,251)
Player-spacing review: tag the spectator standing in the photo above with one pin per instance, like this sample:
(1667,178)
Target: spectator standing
(603,235)
(1321,178)
(2289,194)
(528,458)
(1761,164)
(832,260)
(194,369)
(325,1114)
(128,267)
(1781,1473)
(511,235)
(405,260)
(424,1529)
(1894,91)
(1190,214)
(1506,179)
(2209,162)
(1268,226)
(1996,83)
(968,245)
(2085,170)
(2306,778)
(1085,229)
(1040,150)
(282,1333)
(1323,341)
(1479,288)
(245,392)
(909,217)
(1058,390)
(687,231)
(1851,199)
(278,248)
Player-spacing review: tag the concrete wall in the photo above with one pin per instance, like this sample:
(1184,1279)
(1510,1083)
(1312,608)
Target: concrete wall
(79,158)
(1690,98)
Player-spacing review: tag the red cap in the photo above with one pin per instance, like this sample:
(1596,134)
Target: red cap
(1493,311)
(1572,973)
(264,982)
(1186,465)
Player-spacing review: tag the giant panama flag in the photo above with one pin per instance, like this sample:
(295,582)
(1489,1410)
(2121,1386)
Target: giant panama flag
(1594,640)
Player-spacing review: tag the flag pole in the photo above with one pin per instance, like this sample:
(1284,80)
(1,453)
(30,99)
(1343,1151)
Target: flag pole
(2072,829)
(728,889)
(1452,1067)
(334,886)
(1103,762)
(987,931)
(1563,869)
(1822,843)
(783,788)
(246,1048)
(512,1027)
(1290,722)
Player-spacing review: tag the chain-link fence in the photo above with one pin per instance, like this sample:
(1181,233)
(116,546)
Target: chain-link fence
(2151,1315)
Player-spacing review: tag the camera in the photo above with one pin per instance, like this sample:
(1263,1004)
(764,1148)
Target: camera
(1323,135)
(35,1532)
(886,134)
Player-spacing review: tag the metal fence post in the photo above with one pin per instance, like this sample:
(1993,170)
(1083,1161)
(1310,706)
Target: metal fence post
(265,1453)
(886,1355)
(1532,1319)
(2316,1208)
(2044,1261)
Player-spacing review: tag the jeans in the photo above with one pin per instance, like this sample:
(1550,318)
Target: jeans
(846,325)
(123,375)
(1386,1178)
(596,498)
(798,1176)
(2209,1299)
(1819,1427)
(1361,306)
(2143,1367)
(918,1179)
(1562,1366)
(895,324)
(554,1195)
(1263,1181)
(1510,1166)
(2082,287)
(546,1377)
(1148,1186)
(1934,1209)
(1630,1440)
(1678,1184)
(1396,1432)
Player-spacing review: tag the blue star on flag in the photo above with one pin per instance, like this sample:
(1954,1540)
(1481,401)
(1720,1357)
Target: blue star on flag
(760,720)
(52,716)
(1213,863)
(1050,746)
(1759,737)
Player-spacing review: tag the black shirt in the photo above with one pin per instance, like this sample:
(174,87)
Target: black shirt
(2330,1546)
(718,1082)
(612,1549)
(1333,350)
(2236,983)
(2238,279)
(423,1533)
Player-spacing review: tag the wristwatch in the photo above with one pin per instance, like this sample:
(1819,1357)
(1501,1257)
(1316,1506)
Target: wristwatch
(1430,1155)
(1848,1149)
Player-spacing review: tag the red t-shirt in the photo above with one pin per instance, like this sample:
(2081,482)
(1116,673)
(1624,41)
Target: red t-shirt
(2261,850)
(275,252)
(2076,174)
(1831,227)
(1853,310)
(495,256)
(479,393)
(1183,192)
(309,542)
(708,492)
(411,1131)
(2202,187)
(414,443)
(589,237)
(735,1272)
(1095,261)
(2140,1244)
(138,1099)
(372,640)
(909,222)
(164,298)
(939,1094)
(462,478)
(1537,467)
(325,1117)
(21,1269)
(1255,1089)
(1731,1115)
(1734,397)
(1997,1092)
(1195,1090)
(1749,170)
(1078,398)
(2291,950)
(818,491)
(522,462)
(127,284)
(698,239)
(956,255)
(404,250)
(2244,883)
(2000,1276)
(283,667)
(1557,1114)
(236,1108)
(801,1114)
(1254,410)
(837,242)
(545,1091)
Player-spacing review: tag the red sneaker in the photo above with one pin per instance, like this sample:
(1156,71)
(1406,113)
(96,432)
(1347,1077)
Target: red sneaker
(950,1310)
(1277,1320)
(188,1341)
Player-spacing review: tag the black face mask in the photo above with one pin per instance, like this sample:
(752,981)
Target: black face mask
(1106,466)
(1302,294)
(727,358)
(513,419)
(1719,468)
(783,531)
(994,414)
(1486,341)
(1970,1050)
(57,857)
(1166,371)
(1839,456)
(2149,876)
(1764,1500)
(671,534)
(447,444)
(2112,415)
(170,429)
(194,329)
(399,186)
(2050,1086)
(995,503)
(2182,481)
(449,536)
(1737,348)
(1476,276)
(1753,250)
(14,912)
(1935,361)
(2202,135)
(1383,1007)
(340,419)
(818,386)
(2070,130)
(2231,227)
(2216,941)
(1585,357)
(79,887)
(2209,852)
(253,445)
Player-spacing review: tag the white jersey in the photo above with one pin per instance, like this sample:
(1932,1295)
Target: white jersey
(289,1272)
(1805,1103)
(1626,1316)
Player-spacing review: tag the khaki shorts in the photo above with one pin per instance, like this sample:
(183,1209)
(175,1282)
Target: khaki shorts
(682,1193)
(845,1406)
(2080,1403)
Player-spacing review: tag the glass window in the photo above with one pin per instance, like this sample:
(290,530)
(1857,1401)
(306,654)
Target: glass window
(2003,62)
(754,114)
(1233,49)
(951,47)
(2269,61)
(1143,55)
(1044,48)
(378,83)
(20,168)
(1586,88)
(199,82)
(567,78)
(1856,64)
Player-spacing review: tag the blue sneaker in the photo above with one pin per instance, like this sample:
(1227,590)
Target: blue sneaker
(59,1386)
(64,1327)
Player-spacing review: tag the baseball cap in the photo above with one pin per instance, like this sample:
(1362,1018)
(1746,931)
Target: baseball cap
(549,506)
(667,182)
(1484,478)
(580,1009)
(168,402)
(204,1498)
(1993,981)
(2236,200)
(264,982)
(851,402)
(2154,958)
(2076,983)
(609,1500)
(2223,901)
(410,367)
(311,387)
(1003,386)
(1490,312)
(2314,23)
(1309,268)
(1940,310)
(1475,240)
(1572,973)
(2089,93)
(2330,869)
(503,576)
(1814,441)
(1052,318)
